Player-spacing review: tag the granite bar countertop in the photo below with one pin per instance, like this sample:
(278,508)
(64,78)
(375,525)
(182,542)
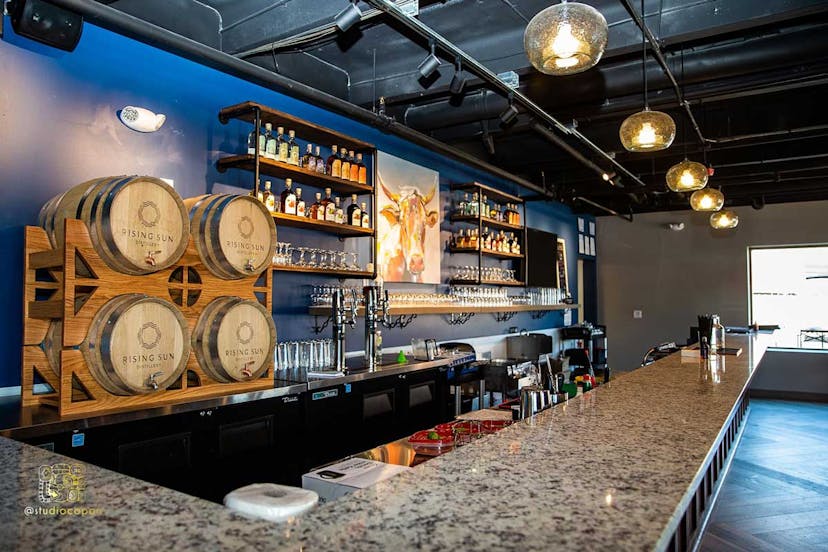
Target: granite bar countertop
(604,471)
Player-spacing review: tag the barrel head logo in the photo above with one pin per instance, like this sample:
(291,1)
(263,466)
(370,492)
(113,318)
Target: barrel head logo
(149,214)
(245,227)
(244,333)
(61,483)
(149,335)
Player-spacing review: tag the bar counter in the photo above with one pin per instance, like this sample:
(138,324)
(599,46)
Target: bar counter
(614,468)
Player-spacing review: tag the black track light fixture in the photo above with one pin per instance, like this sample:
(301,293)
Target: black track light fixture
(429,64)
(458,81)
(348,17)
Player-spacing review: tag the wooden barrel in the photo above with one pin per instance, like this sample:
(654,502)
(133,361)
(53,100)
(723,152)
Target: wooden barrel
(235,235)
(137,344)
(234,339)
(138,224)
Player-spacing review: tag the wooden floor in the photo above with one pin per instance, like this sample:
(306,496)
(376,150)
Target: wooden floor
(775,496)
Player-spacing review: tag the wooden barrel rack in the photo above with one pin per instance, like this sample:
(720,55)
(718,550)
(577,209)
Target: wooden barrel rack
(65,286)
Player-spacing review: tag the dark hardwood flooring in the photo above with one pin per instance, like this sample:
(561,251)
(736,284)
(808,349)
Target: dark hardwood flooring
(775,497)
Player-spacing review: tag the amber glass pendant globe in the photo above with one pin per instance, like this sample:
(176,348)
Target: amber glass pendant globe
(647,131)
(708,199)
(687,176)
(724,220)
(566,38)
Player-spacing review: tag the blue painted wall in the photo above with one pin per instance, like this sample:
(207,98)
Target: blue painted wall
(58,127)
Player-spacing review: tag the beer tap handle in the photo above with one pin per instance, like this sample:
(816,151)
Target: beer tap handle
(354,308)
(386,316)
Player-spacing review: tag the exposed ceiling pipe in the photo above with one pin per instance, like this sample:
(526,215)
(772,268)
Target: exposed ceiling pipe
(756,135)
(475,67)
(628,218)
(639,20)
(110,18)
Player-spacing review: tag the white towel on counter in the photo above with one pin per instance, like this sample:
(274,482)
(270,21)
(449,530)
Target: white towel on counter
(270,501)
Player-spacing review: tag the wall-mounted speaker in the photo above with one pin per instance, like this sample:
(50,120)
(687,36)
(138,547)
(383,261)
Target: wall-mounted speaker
(46,23)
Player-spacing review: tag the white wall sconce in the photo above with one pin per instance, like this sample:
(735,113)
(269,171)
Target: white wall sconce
(140,119)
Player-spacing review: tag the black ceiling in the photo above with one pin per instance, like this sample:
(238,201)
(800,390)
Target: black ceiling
(754,72)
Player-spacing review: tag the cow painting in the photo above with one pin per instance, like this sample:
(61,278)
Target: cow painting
(409,245)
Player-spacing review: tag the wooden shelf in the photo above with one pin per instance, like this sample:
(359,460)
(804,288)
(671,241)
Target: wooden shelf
(450,309)
(324,271)
(492,193)
(509,283)
(486,253)
(344,230)
(471,219)
(304,130)
(300,175)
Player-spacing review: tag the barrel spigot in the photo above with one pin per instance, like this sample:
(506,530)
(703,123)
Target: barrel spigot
(151,380)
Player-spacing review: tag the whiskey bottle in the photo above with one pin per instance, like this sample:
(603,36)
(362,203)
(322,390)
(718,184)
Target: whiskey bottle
(339,216)
(317,211)
(329,206)
(320,163)
(346,166)
(270,142)
(300,203)
(354,212)
(293,149)
(308,160)
(268,198)
(474,242)
(494,211)
(354,167)
(366,218)
(288,204)
(256,134)
(363,170)
(333,166)
(283,152)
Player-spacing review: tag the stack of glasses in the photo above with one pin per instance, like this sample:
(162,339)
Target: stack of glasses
(295,358)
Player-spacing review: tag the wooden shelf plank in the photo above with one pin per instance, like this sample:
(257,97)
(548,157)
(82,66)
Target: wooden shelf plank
(471,219)
(304,130)
(486,253)
(324,271)
(300,175)
(451,309)
(344,230)
(492,193)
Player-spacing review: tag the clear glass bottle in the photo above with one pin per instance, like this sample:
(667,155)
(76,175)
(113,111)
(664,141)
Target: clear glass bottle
(333,166)
(363,170)
(320,163)
(330,206)
(256,134)
(366,217)
(268,198)
(339,216)
(270,142)
(288,198)
(282,152)
(460,209)
(474,206)
(308,160)
(293,149)
(300,203)
(354,212)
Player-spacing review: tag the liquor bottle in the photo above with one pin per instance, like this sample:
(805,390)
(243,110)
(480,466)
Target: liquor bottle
(354,212)
(493,211)
(487,239)
(363,170)
(329,206)
(308,160)
(516,214)
(474,242)
(288,198)
(474,206)
(320,163)
(258,195)
(293,149)
(270,142)
(300,203)
(256,134)
(333,166)
(339,216)
(462,205)
(268,198)
(453,240)
(460,240)
(484,206)
(366,218)
(346,166)
(283,152)
(317,211)
(354,167)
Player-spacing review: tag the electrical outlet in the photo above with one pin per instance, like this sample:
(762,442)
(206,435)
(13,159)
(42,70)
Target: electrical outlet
(638,314)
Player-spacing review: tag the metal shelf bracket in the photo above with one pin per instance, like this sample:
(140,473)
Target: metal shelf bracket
(456,319)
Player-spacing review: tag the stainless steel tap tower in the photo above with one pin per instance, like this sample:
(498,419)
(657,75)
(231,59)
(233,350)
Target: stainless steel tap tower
(342,314)
(376,310)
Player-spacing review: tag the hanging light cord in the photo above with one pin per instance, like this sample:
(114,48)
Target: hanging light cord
(644,57)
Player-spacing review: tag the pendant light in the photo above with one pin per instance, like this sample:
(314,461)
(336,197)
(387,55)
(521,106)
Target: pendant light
(566,38)
(708,199)
(647,130)
(686,176)
(724,220)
